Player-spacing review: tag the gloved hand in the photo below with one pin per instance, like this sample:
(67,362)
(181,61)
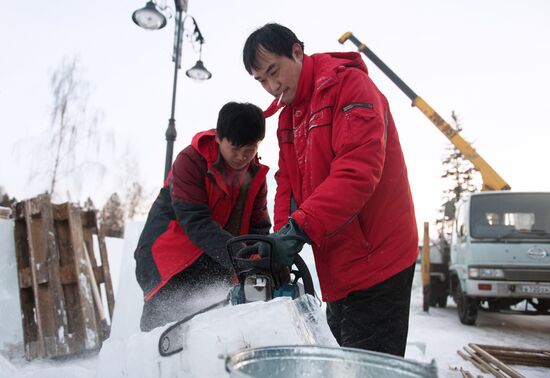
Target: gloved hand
(287,242)
(281,273)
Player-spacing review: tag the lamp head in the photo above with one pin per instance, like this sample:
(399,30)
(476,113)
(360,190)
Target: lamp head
(198,72)
(149,17)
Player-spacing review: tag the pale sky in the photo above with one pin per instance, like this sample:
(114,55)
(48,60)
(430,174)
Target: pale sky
(487,60)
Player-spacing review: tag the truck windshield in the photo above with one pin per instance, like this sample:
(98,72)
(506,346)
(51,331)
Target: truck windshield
(510,216)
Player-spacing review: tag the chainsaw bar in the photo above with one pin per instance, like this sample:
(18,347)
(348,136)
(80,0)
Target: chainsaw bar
(171,340)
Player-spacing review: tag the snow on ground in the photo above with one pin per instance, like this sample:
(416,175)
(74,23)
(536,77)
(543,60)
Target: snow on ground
(435,335)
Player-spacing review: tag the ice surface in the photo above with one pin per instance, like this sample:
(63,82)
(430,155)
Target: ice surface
(210,337)
(11,329)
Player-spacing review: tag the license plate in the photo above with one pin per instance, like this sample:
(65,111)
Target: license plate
(535,289)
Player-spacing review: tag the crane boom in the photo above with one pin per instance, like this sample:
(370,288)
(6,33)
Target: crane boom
(491,179)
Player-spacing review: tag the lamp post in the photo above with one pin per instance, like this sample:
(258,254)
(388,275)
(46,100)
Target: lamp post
(150,17)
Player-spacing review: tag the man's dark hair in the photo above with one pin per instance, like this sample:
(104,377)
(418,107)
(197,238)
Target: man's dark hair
(241,124)
(274,38)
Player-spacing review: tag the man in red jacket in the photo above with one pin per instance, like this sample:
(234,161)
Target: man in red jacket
(215,190)
(341,185)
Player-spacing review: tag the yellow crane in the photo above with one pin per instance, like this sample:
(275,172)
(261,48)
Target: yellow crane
(491,179)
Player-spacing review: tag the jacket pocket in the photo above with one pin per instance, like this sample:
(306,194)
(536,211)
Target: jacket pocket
(350,240)
(320,118)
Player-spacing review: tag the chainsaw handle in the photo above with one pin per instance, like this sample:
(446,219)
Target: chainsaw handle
(246,252)
(250,240)
(250,237)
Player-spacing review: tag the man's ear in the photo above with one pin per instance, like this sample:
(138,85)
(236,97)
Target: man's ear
(298,52)
(218,140)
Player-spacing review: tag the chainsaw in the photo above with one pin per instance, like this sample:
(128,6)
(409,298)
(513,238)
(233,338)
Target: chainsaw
(258,278)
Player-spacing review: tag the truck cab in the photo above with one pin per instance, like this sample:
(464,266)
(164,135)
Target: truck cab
(500,253)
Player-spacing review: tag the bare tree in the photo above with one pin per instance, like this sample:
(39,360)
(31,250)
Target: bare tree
(72,123)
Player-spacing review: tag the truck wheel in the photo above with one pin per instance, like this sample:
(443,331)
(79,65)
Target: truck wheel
(467,309)
(442,301)
(438,294)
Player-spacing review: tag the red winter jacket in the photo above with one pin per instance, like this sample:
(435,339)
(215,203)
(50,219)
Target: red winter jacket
(343,178)
(189,214)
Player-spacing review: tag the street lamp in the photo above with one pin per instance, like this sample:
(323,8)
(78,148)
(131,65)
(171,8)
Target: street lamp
(150,17)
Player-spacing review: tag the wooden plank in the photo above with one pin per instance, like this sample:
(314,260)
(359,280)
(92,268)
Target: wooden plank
(76,327)
(519,356)
(26,294)
(101,265)
(25,278)
(44,267)
(67,275)
(490,348)
(98,274)
(106,272)
(50,282)
(91,337)
(103,327)
(495,361)
(88,231)
(477,364)
(485,363)
(40,347)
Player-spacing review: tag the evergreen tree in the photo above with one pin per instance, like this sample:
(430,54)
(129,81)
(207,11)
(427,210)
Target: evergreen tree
(112,217)
(5,200)
(461,177)
(88,204)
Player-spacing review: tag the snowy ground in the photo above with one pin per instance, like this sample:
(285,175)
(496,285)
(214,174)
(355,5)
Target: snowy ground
(435,335)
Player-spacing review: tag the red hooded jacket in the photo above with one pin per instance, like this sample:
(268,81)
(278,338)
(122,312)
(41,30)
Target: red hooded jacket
(342,176)
(189,215)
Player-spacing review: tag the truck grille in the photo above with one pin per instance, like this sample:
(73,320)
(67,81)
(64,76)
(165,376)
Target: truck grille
(527,274)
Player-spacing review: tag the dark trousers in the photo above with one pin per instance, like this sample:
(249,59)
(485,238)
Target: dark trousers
(171,302)
(375,319)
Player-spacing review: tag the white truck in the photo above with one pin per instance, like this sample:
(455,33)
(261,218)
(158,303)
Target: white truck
(499,255)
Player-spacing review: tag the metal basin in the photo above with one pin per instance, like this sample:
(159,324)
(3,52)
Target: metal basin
(315,361)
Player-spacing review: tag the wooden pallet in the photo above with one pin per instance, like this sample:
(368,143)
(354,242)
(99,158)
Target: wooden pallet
(59,313)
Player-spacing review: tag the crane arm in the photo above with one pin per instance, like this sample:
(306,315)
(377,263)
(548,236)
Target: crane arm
(491,179)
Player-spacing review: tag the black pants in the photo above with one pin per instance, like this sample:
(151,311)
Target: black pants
(171,302)
(375,319)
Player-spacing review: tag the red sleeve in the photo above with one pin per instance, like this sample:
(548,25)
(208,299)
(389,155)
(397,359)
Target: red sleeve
(358,142)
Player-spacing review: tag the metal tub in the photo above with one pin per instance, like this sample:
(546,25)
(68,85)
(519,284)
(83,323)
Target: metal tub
(316,361)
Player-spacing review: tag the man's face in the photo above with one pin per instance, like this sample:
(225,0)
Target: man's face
(237,157)
(279,74)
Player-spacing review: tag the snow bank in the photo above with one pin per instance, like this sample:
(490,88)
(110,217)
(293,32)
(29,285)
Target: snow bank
(128,294)
(7,370)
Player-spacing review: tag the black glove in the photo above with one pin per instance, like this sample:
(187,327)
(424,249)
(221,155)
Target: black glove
(287,242)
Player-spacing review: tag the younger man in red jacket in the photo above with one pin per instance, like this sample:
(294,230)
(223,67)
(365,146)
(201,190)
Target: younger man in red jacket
(215,190)
(342,182)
